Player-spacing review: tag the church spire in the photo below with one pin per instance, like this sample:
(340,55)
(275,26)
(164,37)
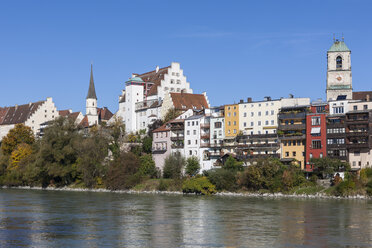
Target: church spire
(92,90)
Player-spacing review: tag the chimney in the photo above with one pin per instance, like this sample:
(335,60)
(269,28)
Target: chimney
(241,101)
(367,98)
(157,69)
(290,95)
(267,98)
(249,100)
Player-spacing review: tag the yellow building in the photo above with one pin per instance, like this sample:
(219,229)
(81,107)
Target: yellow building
(292,134)
(231,120)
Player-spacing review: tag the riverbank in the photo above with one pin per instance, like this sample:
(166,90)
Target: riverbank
(224,194)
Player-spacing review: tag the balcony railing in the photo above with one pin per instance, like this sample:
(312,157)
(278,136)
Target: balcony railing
(357,145)
(357,134)
(204,145)
(292,137)
(291,127)
(292,116)
(205,125)
(205,136)
(174,138)
(175,146)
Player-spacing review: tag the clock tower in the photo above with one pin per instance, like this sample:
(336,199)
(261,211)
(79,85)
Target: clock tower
(339,71)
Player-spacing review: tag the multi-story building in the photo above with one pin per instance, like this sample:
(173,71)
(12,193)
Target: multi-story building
(161,145)
(339,78)
(177,135)
(33,115)
(217,132)
(336,137)
(316,133)
(292,134)
(231,112)
(359,134)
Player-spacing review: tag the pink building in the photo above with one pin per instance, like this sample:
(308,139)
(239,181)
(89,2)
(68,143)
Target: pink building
(161,145)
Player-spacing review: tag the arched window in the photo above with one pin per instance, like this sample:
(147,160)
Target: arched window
(339,62)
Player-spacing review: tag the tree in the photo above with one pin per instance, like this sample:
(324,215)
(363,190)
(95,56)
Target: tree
(22,151)
(192,166)
(147,144)
(148,167)
(116,133)
(57,157)
(171,114)
(154,125)
(327,166)
(123,172)
(173,166)
(232,164)
(17,135)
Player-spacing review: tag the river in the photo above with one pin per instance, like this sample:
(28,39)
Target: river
(41,218)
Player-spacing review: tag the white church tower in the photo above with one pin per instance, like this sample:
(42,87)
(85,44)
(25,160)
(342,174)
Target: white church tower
(339,71)
(91,101)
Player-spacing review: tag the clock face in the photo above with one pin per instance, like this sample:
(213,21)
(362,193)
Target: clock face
(339,78)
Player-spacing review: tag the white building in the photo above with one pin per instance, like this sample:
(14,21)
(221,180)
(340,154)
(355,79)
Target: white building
(91,102)
(31,115)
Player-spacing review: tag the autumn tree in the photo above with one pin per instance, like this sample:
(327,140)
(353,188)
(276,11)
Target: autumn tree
(171,114)
(17,135)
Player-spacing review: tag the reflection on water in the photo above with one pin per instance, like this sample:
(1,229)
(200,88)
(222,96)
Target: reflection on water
(35,218)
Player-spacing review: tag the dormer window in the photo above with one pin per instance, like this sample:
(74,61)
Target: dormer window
(339,62)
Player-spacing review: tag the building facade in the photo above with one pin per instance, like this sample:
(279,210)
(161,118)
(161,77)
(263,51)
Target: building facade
(231,112)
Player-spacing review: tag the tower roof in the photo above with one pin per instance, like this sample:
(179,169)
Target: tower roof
(339,46)
(92,90)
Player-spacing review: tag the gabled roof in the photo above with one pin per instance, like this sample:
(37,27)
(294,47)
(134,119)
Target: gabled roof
(19,113)
(92,90)
(3,112)
(64,112)
(184,101)
(163,128)
(84,122)
(339,46)
(153,77)
(104,114)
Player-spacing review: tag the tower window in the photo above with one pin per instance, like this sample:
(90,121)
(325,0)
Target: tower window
(339,62)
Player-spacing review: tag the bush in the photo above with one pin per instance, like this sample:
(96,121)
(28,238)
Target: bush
(148,167)
(192,166)
(345,188)
(232,164)
(163,185)
(222,179)
(173,166)
(199,185)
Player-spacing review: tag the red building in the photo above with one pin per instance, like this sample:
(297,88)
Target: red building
(316,133)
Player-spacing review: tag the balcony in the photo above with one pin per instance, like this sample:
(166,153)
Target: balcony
(291,127)
(177,127)
(336,135)
(336,146)
(205,125)
(205,136)
(357,134)
(357,145)
(177,146)
(218,145)
(159,150)
(175,138)
(293,137)
(203,145)
(283,116)
(215,154)
(257,156)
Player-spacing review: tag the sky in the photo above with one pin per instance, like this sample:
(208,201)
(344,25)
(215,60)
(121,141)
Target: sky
(230,49)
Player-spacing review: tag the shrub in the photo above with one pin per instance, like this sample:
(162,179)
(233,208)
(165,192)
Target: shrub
(163,185)
(192,166)
(232,164)
(345,188)
(199,185)
(148,167)
(173,166)
(222,179)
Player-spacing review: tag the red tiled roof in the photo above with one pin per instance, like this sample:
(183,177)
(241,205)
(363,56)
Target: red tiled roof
(183,101)
(154,77)
(74,115)
(3,112)
(161,129)
(362,95)
(84,122)
(64,112)
(20,113)
(104,114)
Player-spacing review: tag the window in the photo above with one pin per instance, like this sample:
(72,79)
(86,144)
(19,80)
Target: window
(196,142)
(287,154)
(289,143)
(272,122)
(272,112)
(229,123)
(339,62)
(190,153)
(285,143)
(355,107)
(252,124)
(245,114)
(245,124)
(234,123)
(266,122)
(189,142)
(252,113)
(229,114)
(188,123)
(315,121)
(217,124)
(311,155)
(194,132)
(234,130)
(234,113)
(321,155)
(294,154)
(267,112)
(365,106)
(259,113)
(172,81)
(228,131)
(259,123)
(193,123)
(316,144)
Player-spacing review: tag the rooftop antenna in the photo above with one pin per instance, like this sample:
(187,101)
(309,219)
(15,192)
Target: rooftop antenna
(334,37)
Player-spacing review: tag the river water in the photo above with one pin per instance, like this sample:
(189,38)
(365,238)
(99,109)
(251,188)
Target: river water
(41,218)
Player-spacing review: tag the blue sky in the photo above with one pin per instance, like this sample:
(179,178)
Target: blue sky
(231,49)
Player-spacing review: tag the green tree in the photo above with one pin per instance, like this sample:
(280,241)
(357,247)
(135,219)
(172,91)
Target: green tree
(116,136)
(148,167)
(57,157)
(154,125)
(232,164)
(327,166)
(192,166)
(123,172)
(173,166)
(17,135)
(171,114)
(147,144)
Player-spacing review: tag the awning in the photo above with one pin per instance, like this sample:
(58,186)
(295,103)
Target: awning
(315,130)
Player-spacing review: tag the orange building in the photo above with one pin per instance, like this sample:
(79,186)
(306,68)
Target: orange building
(231,120)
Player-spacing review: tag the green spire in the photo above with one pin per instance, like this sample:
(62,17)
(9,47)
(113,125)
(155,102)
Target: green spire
(92,90)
